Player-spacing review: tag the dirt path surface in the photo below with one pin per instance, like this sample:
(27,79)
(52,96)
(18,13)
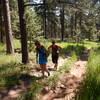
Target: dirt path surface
(50,67)
(17,91)
(67,87)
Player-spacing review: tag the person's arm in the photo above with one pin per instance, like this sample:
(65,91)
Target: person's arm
(44,48)
(36,56)
(59,47)
(49,47)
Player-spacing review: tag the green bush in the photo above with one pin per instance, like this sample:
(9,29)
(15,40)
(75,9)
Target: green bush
(68,50)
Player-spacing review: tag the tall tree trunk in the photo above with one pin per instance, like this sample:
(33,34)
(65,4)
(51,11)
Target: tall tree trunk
(45,27)
(1,29)
(23,32)
(62,22)
(99,38)
(71,25)
(1,23)
(51,30)
(80,21)
(54,29)
(75,20)
(8,30)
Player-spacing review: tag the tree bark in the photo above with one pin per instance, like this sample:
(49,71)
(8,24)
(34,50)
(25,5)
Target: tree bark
(1,25)
(62,22)
(71,25)
(80,22)
(1,29)
(99,38)
(75,20)
(23,32)
(8,29)
(45,27)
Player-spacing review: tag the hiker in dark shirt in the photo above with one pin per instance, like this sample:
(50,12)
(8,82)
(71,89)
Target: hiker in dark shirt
(55,53)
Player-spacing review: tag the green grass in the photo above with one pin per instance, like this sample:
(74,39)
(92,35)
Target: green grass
(17,43)
(77,49)
(2,49)
(91,87)
(5,59)
(90,44)
(9,75)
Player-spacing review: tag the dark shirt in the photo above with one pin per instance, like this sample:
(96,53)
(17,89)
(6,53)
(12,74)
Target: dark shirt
(55,50)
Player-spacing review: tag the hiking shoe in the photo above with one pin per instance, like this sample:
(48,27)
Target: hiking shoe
(48,73)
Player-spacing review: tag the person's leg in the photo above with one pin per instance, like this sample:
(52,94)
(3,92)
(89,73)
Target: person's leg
(41,65)
(55,66)
(55,61)
(45,69)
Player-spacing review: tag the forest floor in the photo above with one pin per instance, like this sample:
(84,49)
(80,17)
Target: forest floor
(65,89)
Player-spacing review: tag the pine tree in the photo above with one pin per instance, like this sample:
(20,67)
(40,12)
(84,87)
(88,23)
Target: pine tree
(8,29)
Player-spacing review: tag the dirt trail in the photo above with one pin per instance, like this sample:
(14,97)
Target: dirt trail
(50,67)
(67,87)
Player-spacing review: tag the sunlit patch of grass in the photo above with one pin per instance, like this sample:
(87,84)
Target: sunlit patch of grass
(4,59)
(91,87)
(90,44)
(17,43)
(77,49)
(2,48)
(32,56)
(87,44)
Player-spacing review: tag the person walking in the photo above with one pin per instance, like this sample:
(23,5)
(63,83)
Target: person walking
(41,57)
(55,53)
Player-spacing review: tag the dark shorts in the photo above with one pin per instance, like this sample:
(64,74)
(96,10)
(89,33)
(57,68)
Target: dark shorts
(55,58)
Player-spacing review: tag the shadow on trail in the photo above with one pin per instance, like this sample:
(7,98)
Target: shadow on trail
(19,79)
(16,82)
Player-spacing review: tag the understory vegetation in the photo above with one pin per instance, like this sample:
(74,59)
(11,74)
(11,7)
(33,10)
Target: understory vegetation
(91,86)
